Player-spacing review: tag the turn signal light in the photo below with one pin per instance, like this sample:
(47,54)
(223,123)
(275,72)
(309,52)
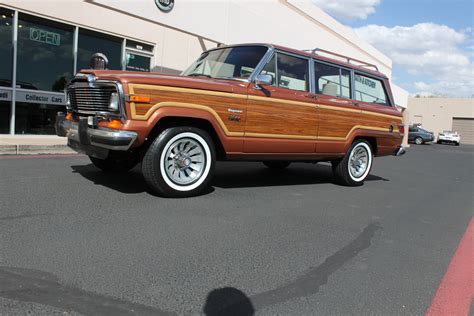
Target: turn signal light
(139,99)
(115,124)
(69,117)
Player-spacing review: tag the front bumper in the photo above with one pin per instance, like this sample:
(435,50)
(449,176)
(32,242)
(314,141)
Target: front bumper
(93,141)
(449,140)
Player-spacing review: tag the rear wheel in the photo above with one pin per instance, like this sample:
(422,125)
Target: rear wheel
(277,164)
(418,140)
(354,168)
(114,164)
(179,162)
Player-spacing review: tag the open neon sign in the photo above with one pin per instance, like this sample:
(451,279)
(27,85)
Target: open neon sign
(46,37)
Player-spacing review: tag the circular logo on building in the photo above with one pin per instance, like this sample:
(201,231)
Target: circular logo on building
(165,5)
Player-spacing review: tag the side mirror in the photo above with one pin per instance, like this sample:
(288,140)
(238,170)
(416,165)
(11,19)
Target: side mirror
(261,80)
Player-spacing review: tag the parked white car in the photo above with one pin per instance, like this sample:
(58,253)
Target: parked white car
(449,137)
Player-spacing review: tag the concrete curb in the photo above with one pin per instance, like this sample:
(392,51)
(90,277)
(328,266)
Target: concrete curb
(35,149)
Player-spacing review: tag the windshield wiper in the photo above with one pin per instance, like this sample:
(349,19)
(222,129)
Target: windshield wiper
(199,75)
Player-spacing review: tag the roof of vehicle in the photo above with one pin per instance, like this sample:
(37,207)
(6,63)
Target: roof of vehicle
(360,68)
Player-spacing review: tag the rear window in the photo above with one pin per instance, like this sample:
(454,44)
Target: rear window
(370,90)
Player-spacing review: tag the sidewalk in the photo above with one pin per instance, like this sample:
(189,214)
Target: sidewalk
(33,145)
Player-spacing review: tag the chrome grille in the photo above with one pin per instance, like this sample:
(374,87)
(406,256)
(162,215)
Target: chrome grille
(90,100)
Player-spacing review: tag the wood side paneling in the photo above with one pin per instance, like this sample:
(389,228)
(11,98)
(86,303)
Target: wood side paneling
(217,103)
(281,120)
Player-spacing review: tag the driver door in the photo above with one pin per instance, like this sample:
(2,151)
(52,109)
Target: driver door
(282,117)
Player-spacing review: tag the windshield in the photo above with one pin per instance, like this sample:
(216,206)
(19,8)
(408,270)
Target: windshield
(227,63)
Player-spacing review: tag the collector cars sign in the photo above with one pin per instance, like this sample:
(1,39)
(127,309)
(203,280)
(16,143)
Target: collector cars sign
(165,5)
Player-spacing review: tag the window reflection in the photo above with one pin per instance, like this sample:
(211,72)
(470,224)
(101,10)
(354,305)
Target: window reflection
(34,118)
(45,54)
(138,62)
(332,80)
(92,42)
(5,108)
(6,47)
(292,72)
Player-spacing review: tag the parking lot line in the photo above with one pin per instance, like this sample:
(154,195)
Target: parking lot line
(456,291)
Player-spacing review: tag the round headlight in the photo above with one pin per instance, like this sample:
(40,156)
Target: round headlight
(114,102)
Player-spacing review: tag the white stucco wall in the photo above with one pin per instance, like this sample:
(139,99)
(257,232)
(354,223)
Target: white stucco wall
(436,114)
(195,25)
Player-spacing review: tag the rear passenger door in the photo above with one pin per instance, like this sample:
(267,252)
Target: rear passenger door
(338,114)
(282,117)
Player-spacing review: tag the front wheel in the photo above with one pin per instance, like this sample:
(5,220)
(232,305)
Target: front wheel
(418,140)
(180,162)
(354,168)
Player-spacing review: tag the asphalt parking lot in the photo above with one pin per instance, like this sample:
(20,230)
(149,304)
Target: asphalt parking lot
(76,241)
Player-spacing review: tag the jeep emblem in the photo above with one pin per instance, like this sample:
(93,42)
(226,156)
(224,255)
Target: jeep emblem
(165,5)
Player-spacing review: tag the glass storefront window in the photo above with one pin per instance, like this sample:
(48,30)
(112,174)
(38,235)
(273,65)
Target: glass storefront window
(5,112)
(91,42)
(137,62)
(140,46)
(45,54)
(34,118)
(6,47)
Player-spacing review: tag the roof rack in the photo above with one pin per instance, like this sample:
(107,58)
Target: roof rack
(349,60)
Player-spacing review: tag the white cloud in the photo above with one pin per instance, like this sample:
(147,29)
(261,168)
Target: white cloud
(348,9)
(427,49)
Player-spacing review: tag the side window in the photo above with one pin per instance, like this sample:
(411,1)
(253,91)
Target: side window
(288,72)
(292,72)
(332,80)
(370,90)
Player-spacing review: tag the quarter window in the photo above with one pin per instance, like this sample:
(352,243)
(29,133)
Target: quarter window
(370,90)
(332,80)
(288,72)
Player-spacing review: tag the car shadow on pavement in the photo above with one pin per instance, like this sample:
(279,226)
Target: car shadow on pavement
(126,182)
(228,175)
(260,176)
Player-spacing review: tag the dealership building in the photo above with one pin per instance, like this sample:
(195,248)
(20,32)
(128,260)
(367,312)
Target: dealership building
(44,43)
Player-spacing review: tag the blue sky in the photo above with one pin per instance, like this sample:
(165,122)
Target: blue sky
(431,42)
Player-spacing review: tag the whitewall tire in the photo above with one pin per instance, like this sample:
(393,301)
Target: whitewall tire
(354,168)
(180,162)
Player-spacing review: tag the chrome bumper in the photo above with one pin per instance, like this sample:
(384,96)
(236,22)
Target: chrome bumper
(400,151)
(83,138)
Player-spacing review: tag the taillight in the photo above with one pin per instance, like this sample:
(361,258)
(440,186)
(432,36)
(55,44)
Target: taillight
(401,128)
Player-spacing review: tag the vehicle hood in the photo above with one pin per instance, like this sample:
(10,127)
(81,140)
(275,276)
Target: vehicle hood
(202,83)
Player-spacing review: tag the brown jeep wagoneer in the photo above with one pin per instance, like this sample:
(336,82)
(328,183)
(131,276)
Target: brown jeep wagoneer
(253,102)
